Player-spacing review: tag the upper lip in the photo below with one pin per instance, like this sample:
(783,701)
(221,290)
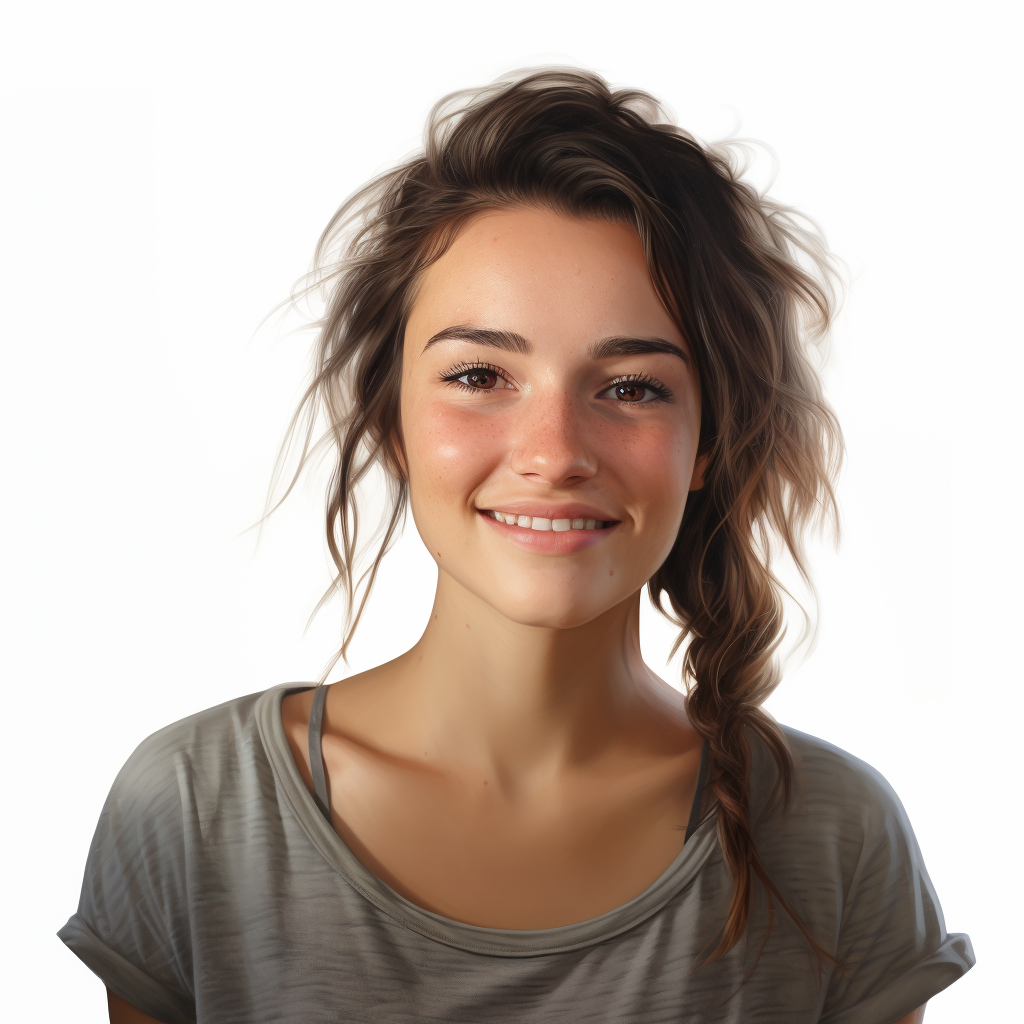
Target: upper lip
(550,510)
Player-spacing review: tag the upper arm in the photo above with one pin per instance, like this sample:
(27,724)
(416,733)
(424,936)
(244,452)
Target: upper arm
(916,1017)
(122,1012)
(885,924)
(133,924)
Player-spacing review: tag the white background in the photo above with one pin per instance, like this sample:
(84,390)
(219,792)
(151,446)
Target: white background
(166,171)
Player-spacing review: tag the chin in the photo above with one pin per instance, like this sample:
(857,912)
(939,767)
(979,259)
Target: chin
(553,618)
(547,608)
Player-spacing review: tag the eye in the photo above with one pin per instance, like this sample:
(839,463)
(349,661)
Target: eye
(484,380)
(475,377)
(637,389)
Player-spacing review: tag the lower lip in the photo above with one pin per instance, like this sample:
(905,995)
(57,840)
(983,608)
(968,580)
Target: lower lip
(549,542)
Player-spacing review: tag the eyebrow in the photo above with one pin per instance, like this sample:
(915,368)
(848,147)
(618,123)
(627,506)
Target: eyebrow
(508,340)
(635,347)
(512,342)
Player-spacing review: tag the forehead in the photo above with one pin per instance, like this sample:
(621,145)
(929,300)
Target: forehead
(537,271)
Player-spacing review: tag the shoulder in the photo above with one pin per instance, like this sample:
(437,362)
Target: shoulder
(841,807)
(183,761)
(827,774)
(186,797)
(192,739)
(846,856)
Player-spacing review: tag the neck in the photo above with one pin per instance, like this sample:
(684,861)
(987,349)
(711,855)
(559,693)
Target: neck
(521,702)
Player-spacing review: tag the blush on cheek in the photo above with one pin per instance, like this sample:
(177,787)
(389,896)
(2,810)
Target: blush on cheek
(654,457)
(455,451)
(459,430)
(656,468)
(448,451)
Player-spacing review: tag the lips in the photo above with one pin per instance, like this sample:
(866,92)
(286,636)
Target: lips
(555,528)
(557,533)
(559,524)
(549,510)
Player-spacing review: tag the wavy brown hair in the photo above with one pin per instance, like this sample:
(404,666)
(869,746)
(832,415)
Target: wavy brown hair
(750,285)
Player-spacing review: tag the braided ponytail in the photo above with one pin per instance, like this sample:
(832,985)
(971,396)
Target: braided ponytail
(775,449)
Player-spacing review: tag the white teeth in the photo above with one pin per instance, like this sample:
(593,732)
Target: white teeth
(542,524)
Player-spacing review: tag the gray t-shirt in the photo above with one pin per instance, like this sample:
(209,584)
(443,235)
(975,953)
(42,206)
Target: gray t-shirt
(215,891)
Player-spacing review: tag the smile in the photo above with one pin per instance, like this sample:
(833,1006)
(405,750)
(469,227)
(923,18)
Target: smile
(541,524)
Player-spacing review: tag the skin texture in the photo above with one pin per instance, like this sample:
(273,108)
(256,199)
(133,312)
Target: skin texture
(520,766)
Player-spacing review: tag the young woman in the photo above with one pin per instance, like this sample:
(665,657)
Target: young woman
(575,341)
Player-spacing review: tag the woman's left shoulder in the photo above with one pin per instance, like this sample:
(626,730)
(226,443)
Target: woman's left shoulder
(838,801)
(845,854)
(825,773)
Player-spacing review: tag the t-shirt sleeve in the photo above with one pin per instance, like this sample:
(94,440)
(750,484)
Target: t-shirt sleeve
(893,944)
(132,925)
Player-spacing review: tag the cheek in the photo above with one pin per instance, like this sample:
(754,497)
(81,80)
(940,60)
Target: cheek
(654,463)
(451,451)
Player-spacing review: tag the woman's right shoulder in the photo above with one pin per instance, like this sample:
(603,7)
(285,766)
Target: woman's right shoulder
(188,798)
(200,752)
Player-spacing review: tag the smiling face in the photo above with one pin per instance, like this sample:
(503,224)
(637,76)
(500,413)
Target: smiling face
(550,415)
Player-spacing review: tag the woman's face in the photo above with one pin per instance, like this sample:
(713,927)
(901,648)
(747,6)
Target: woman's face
(550,413)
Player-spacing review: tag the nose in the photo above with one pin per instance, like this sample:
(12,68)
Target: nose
(550,443)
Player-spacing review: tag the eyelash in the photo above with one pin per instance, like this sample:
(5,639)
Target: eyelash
(663,393)
(453,373)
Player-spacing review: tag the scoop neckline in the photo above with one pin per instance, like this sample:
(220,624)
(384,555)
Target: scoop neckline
(507,942)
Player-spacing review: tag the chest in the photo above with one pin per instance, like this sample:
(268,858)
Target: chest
(297,942)
(481,856)
(375,973)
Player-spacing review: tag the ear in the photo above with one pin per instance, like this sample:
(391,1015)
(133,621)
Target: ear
(697,480)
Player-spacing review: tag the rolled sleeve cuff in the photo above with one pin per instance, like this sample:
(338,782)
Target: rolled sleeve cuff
(952,960)
(124,978)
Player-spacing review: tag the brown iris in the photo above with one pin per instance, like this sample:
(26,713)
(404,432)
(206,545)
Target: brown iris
(630,392)
(483,380)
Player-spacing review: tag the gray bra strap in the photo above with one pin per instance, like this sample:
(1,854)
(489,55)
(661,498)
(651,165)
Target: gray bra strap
(316,754)
(698,799)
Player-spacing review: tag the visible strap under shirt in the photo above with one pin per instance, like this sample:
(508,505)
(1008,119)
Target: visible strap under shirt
(323,799)
(698,797)
(316,752)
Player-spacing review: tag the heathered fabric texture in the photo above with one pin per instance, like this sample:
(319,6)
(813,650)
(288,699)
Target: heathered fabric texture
(216,892)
